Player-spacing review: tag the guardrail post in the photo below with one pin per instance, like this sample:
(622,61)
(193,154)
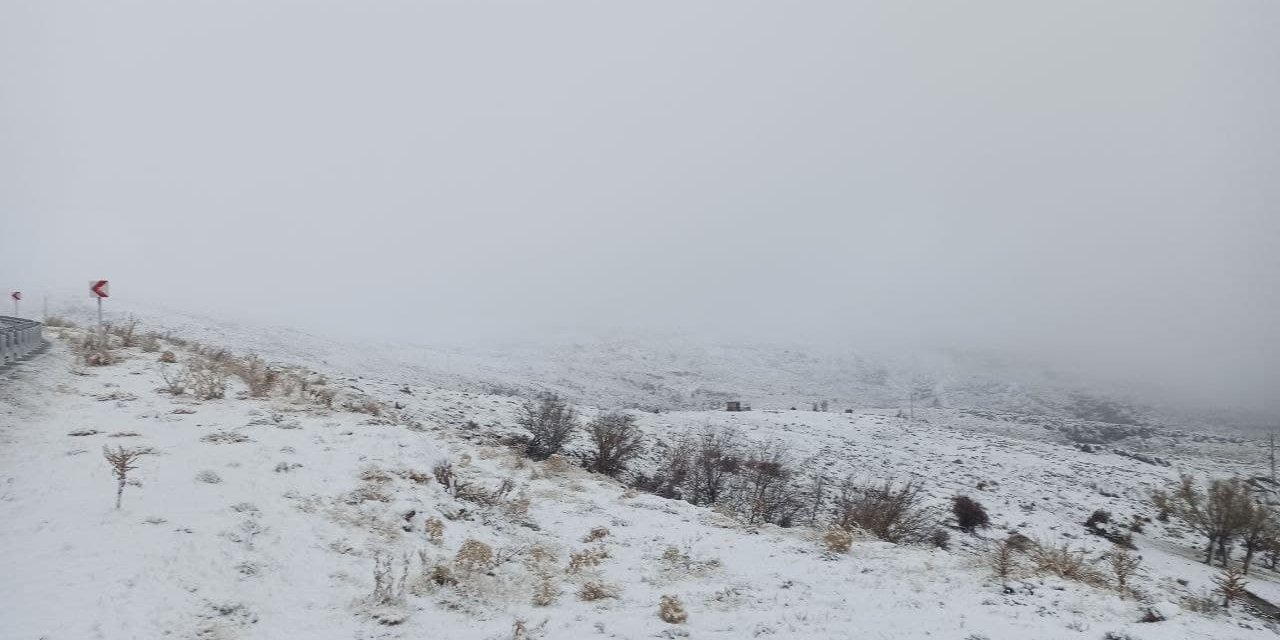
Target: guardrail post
(18,338)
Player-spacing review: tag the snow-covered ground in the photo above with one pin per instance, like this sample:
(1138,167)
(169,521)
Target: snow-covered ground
(267,517)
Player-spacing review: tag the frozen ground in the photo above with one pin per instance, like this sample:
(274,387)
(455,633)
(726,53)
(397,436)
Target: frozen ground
(266,517)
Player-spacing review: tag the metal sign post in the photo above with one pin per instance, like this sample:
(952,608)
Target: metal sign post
(99,290)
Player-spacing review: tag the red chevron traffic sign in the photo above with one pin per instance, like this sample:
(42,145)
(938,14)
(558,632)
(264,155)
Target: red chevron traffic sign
(99,288)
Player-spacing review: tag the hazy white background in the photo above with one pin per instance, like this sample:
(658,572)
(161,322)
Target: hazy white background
(1097,183)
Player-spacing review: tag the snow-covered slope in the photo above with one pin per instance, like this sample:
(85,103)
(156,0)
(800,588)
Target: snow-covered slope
(267,517)
(671,371)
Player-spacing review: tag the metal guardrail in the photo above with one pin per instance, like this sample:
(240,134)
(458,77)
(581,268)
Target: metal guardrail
(18,338)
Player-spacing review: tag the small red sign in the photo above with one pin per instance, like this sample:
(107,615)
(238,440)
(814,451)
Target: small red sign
(99,288)
(16,295)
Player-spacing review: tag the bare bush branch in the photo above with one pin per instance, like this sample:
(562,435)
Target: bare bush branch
(122,461)
(616,440)
(889,512)
(551,421)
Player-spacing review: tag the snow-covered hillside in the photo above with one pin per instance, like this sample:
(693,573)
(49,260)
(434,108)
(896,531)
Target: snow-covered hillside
(317,511)
(681,372)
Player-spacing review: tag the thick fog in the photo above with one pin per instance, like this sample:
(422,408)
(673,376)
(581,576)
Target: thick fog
(1095,184)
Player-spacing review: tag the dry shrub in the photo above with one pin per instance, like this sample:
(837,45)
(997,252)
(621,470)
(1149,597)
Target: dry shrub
(587,558)
(1099,516)
(550,421)
(1124,565)
(122,461)
(150,343)
(671,610)
(94,349)
(1003,559)
(1203,603)
(681,563)
(388,589)
(368,492)
(224,437)
(940,538)
(1065,563)
(442,576)
(167,357)
(1231,585)
(889,512)
(206,380)
(969,513)
(545,591)
(477,494)
(373,473)
(175,382)
(127,331)
(556,463)
(259,377)
(216,355)
(597,591)
(59,321)
(435,530)
(474,555)
(323,397)
(443,471)
(1020,542)
(597,533)
(837,540)
(616,440)
(517,507)
(367,406)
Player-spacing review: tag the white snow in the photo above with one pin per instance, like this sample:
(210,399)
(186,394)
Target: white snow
(276,536)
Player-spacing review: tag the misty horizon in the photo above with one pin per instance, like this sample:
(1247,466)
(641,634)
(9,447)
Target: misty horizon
(1086,185)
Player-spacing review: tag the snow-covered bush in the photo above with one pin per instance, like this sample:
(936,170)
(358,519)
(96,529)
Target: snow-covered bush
(149,343)
(256,374)
(474,555)
(127,331)
(175,382)
(1064,562)
(837,540)
(587,558)
(434,529)
(94,349)
(671,610)
(207,380)
(545,591)
(597,591)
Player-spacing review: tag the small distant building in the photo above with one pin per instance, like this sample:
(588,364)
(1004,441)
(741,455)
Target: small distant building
(736,405)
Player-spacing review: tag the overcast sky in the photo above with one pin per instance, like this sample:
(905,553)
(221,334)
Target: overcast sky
(1094,182)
